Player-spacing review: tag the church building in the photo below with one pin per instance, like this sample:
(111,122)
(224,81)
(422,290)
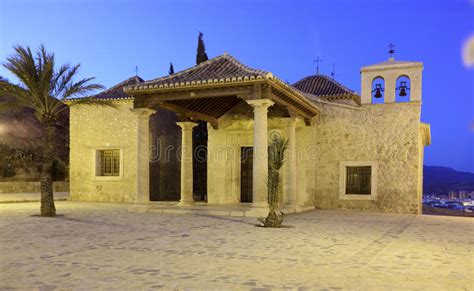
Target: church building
(199,139)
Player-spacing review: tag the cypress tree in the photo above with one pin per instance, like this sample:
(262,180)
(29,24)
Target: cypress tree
(171,70)
(201,55)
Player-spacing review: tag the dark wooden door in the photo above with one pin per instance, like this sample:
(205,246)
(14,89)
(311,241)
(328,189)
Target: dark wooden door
(200,161)
(165,168)
(246,174)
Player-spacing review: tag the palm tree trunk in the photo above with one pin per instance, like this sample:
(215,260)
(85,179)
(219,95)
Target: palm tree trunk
(47,199)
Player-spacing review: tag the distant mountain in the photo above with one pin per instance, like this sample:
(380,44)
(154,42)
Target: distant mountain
(439,180)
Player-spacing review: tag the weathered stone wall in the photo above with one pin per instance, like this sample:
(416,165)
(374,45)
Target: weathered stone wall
(30,187)
(389,135)
(305,164)
(92,128)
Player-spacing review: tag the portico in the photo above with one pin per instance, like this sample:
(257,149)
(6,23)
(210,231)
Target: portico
(237,103)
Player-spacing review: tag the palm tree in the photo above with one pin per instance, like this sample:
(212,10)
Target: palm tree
(43,89)
(276,159)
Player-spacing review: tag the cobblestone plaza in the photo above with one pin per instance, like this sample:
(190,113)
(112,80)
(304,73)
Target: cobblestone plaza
(105,246)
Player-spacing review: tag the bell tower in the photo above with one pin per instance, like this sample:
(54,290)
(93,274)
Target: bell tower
(394,81)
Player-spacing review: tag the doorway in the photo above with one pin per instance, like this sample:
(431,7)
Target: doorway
(165,168)
(246,174)
(200,161)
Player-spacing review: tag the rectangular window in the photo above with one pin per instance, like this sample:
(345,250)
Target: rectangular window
(358,180)
(109,162)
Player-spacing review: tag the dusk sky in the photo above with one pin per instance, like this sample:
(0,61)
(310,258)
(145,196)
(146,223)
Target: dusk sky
(110,38)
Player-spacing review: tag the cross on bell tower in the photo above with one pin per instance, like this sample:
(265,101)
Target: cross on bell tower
(317,61)
(391,51)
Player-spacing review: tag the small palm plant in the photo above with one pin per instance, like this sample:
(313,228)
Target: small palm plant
(43,89)
(276,159)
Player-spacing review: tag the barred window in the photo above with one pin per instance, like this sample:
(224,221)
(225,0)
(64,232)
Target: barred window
(358,180)
(109,163)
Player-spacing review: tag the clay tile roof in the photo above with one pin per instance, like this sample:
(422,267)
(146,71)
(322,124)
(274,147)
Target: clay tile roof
(116,92)
(218,68)
(322,86)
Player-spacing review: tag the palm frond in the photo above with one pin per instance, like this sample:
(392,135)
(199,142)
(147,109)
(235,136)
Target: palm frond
(12,93)
(23,66)
(45,71)
(81,88)
(43,88)
(63,78)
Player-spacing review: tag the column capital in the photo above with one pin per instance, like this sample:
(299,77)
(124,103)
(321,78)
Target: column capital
(143,111)
(186,125)
(288,121)
(260,103)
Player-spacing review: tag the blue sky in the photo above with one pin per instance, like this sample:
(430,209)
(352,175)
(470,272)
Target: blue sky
(110,38)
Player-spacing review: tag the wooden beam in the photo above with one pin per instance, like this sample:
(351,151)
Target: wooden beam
(291,107)
(303,102)
(184,111)
(184,95)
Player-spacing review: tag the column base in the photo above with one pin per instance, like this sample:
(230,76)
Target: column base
(141,201)
(186,203)
(139,207)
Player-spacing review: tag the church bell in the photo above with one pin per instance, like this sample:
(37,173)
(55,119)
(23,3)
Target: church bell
(403,89)
(378,91)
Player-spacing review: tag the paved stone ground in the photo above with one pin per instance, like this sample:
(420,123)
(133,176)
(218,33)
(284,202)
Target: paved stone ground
(105,246)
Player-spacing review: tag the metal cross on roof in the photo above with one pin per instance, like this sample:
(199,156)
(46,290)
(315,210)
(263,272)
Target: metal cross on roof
(136,71)
(317,61)
(333,73)
(391,51)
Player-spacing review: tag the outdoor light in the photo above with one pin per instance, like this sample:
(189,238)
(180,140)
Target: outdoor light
(3,129)
(378,90)
(403,89)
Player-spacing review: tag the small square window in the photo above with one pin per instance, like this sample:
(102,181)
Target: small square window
(358,180)
(109,163)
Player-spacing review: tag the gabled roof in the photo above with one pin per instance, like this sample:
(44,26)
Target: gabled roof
(116,92)
(221,68)
(224,73)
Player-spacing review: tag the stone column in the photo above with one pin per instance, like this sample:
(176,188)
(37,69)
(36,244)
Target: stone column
(143,154)
(186,162)
(260,151)
(289,167)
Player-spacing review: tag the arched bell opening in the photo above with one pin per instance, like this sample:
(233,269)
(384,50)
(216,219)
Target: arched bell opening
(378,90)
(402,89)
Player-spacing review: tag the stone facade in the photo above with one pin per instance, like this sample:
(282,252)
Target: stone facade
(387,134)
(94,128)
(388,137)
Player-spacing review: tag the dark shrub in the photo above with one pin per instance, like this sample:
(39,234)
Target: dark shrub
(8,171)
(60,170)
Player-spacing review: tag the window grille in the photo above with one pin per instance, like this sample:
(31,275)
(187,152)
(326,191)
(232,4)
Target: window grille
(358,180)
(109,162)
